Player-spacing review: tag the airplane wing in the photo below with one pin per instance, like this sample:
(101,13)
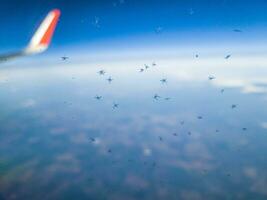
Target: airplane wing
(40,40)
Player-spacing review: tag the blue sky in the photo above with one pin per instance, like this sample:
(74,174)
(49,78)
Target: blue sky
(129,18)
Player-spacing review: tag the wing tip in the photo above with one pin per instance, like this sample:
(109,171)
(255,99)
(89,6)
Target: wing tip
(56,12)
(42,38)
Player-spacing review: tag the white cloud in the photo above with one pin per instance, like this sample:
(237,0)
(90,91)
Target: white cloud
(29,103)
(58,131)
(254,89)
(147,151)
(250,172)
(264,125)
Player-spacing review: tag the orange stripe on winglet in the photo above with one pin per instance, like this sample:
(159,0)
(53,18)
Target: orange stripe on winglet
(50,30)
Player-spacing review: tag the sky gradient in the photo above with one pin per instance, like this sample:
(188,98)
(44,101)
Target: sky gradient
(185,20)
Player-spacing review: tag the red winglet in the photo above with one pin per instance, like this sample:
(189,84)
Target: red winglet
(50,30)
